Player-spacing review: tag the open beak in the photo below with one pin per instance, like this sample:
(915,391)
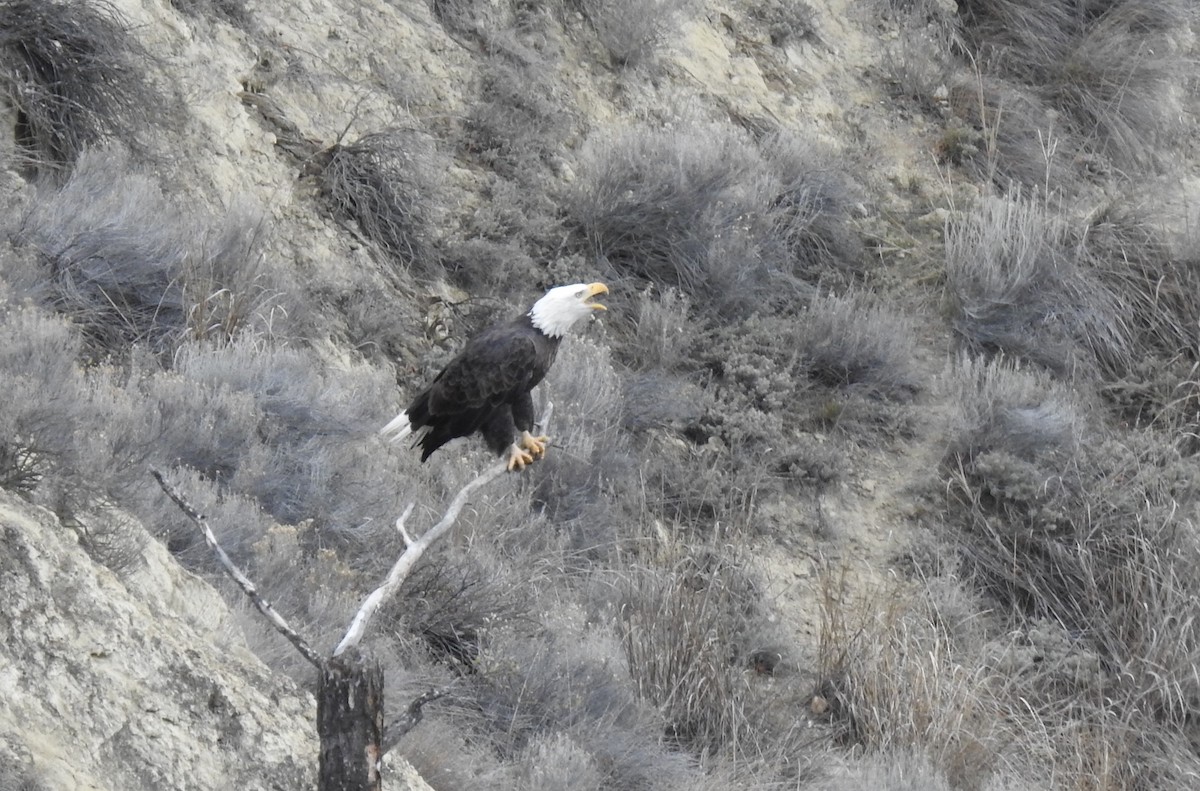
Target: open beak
(595,289)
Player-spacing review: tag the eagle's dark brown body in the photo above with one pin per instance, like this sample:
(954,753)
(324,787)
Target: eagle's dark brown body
(486,388)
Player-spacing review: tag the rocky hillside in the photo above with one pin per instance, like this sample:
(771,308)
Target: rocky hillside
(879,470)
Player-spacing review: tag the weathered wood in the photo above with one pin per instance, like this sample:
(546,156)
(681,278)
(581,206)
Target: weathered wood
(248,587)
(414,549)
(350,723)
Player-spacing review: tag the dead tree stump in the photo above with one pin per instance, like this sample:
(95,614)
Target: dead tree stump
(350,723)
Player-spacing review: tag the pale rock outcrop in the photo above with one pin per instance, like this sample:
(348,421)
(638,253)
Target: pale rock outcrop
(115,687)
(140,682)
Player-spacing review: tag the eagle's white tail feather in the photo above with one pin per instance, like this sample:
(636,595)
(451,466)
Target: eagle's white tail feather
(398,429)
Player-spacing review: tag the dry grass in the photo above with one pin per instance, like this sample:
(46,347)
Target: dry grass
(1018,287)
(131,266)
(1117,69)
(895,681)
(678,638)
(1084,540)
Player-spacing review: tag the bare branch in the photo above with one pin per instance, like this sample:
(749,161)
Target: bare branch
(404,564)
(397,728)
(408,540)
(241,579)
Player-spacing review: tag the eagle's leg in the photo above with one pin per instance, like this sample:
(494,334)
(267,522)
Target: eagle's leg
(535,445)
(518,458)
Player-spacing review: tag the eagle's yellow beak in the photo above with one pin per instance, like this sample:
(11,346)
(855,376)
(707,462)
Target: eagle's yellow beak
(594,289)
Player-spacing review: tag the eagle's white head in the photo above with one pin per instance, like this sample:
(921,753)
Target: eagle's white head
(561,307)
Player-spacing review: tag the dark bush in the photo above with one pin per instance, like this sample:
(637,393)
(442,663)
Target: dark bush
(76,76)
(1155,282)
(386,183)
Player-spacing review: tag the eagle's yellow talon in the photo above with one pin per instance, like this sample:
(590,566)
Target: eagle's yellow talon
(535,445)
(518,459)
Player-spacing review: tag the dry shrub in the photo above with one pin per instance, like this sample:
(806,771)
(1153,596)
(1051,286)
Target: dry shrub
(520,119)
(1117,69)
(131,266)
(291,435)
(736,226)
(632,30)
(998,405)
(76,76)
(590,460)
(73,440)
(387,183)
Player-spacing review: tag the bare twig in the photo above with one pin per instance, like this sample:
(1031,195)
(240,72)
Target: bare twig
(397,728)
(241,579)
(415,549)
(408,540)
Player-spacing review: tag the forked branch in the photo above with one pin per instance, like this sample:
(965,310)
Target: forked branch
(415,549)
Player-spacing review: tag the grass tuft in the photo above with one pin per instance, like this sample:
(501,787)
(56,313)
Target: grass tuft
(1018,288)
(852,342)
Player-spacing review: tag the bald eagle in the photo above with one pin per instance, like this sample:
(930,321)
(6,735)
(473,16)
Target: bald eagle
(486,388)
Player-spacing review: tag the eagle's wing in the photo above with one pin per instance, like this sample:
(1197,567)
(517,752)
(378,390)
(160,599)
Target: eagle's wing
(491,370)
